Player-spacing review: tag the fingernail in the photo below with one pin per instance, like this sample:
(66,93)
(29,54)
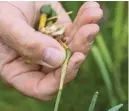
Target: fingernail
(77,70)
(90,38)
(77,66)
(53,57)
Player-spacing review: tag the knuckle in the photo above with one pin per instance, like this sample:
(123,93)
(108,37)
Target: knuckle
(30,45)
(83,32)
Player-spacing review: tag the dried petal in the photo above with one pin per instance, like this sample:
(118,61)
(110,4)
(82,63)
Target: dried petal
(59,32)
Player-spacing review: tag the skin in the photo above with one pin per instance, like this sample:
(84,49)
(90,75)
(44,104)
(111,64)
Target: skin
(18,37)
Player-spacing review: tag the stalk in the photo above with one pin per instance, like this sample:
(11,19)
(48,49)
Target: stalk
(63,74)
(47,10)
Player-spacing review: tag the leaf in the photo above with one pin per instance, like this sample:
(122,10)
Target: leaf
(93,102)
(105,74)
(118,21)
(104,50)
(116,108)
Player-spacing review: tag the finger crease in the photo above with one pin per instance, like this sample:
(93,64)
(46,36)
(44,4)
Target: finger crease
(37,84)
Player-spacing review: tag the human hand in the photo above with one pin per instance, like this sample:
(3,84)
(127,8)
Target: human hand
(34,80)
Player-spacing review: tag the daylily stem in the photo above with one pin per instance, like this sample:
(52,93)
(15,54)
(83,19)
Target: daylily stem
(63,74)
(43,20)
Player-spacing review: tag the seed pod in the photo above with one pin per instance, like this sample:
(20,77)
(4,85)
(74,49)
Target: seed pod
(54,14)
(45,11)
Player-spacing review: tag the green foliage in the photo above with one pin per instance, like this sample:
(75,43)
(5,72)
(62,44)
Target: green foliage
(104,73)
(93,102)
(116,108)
(105,69)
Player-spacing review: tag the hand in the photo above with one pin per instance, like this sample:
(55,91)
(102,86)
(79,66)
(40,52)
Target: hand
(17,36)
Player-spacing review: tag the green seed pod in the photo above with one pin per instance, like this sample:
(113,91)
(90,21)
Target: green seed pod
(46,9)
(54,14)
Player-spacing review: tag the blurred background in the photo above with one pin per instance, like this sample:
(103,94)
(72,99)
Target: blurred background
(105,69)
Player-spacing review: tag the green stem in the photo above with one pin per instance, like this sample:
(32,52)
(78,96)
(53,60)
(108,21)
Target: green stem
(63,74)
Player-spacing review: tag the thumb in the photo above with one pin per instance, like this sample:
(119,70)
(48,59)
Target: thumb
(38,47)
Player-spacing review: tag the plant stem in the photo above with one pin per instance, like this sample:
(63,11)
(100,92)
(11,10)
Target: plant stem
(63,74)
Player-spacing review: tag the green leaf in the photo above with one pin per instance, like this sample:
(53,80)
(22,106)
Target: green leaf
(104,50)
(119,17)
(116,108)
(93,102)
(105,74)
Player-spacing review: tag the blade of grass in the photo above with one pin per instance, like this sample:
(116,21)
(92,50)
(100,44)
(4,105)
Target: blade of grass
(107,58)
(104,50)
(118,20)
(116,108)
(124,35)
(118,48)
(105,74)
(93,102)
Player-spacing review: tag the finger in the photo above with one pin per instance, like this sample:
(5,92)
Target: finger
(40,48)
(6,54)
(84,38)
(73,66)
(63,17)
(89,15)
(28,80)
(46,70)
(27,9)
(85,6)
